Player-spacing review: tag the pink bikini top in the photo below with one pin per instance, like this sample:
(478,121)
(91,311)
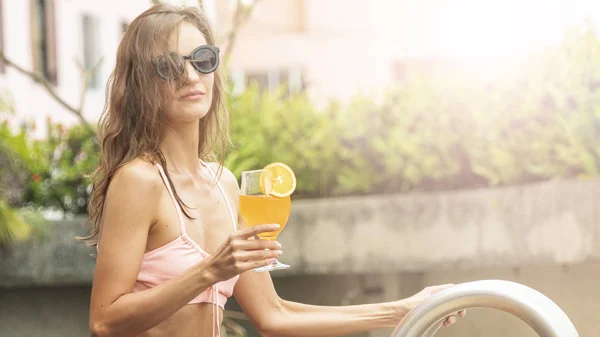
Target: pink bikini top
(165,262)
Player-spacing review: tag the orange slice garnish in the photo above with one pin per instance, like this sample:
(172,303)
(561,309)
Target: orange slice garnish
(278,180)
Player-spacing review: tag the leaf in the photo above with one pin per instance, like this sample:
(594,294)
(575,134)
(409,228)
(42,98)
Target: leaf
(12,226)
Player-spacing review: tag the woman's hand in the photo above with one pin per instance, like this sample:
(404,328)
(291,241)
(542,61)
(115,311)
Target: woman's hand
(408,304)
(239,253)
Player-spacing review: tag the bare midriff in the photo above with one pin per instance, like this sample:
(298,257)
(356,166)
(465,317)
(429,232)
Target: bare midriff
(193,320)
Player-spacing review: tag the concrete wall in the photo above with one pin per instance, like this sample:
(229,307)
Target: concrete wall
(553,222)
(51,259)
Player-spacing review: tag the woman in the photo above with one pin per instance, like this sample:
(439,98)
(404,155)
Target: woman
(158,208)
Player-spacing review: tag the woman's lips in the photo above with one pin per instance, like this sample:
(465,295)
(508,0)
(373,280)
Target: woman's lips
(192,95)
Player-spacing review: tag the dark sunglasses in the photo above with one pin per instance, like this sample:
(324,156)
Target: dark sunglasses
(205,59)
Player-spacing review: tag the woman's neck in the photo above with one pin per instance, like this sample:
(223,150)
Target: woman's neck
(180,148)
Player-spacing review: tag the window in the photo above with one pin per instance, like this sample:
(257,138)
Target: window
(91,49)
(44,38)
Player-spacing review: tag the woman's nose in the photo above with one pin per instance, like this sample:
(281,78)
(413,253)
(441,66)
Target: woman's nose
(192,75)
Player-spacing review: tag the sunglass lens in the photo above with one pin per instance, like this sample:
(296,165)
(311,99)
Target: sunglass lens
(205,60)
(169,66)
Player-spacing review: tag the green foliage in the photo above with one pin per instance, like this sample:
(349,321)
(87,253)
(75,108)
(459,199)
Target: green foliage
(12,226)
(65,182)
(58,167)
(406,141)
(441,128)
(15,224)
(545,126)
(268,127)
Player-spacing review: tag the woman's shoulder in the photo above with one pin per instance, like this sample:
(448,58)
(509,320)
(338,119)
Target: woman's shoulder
(139,174)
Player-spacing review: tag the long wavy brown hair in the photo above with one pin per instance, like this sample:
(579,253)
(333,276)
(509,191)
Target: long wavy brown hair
(132,122)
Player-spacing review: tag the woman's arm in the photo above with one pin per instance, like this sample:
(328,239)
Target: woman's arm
(129,211)
(273,316)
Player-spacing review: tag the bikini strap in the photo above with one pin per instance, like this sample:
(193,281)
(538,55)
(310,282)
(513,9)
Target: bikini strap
(231,214)
(215,311)
(163,175)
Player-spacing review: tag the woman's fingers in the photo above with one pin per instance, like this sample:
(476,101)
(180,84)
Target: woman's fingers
(257,255)
(245,266)
(248,245)
(254,230)
(450,320)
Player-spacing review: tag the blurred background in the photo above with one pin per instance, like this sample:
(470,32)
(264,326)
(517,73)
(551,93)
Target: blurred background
(434,142)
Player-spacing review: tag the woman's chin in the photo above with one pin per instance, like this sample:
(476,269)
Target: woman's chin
(188,112)
(196,111)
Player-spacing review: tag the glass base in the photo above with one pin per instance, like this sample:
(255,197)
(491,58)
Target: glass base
(275,266)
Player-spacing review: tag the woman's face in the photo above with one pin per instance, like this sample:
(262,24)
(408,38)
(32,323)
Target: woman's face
(194,97)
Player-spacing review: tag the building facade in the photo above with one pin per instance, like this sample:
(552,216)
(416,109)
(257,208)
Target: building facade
(332,49)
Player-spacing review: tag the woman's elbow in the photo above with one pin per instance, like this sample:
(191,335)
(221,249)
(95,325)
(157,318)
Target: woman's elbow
(269,326)
(266,331)
(272,323)
(99,329)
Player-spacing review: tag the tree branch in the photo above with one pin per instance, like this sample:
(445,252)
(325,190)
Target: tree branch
(240,17)
(85,77)
(39,78)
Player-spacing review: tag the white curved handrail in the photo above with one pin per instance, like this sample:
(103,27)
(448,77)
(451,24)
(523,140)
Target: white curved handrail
(531,306)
